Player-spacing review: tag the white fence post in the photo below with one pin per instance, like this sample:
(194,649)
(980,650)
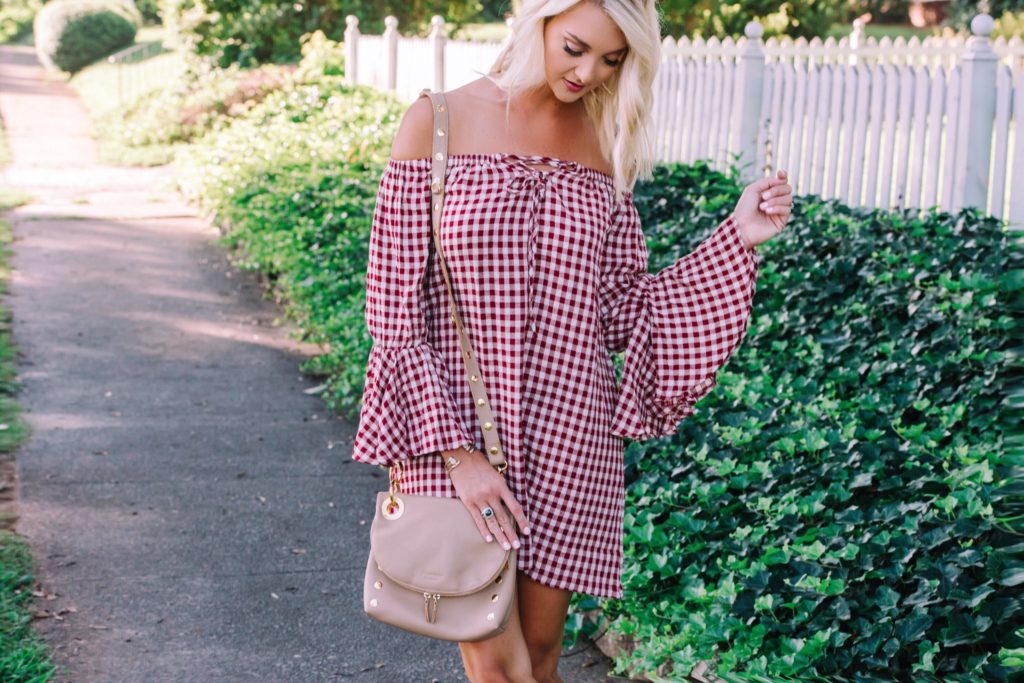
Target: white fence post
(391,52)
(351,49)
(437,41)
(746,112)
(856,40)
(977,115)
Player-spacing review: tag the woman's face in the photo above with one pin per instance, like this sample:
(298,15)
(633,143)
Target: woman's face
(582,47)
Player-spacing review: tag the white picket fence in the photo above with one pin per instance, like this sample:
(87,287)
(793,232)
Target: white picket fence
(889,124)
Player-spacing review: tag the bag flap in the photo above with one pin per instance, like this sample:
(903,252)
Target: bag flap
(434,546)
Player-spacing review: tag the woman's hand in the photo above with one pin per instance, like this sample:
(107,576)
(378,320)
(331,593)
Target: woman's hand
(764,208)
(479,486)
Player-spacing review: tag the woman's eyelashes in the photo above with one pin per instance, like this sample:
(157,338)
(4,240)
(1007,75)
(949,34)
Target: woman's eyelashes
(579,53)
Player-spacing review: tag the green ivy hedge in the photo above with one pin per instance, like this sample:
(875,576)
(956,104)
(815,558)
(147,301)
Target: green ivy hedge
(845,504)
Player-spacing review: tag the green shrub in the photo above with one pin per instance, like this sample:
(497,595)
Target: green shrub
(16,18)
(842,506)
(71,34)
(1009,25)
(191,107)
(149,10)
(961,12)
(295,181)
(252,32)
(797,18)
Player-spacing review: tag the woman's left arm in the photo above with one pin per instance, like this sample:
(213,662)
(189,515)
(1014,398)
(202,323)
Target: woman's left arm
(677,326)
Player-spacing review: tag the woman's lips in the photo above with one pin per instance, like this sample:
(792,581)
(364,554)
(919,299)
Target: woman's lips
(572,86)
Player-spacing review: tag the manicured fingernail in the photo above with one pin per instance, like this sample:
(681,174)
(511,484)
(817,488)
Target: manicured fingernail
(506,546)
(515,544)
(764,195)
(762,206)
(526,531)
(489,538)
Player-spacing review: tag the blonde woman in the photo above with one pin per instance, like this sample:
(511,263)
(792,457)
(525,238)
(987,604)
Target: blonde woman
(549,264)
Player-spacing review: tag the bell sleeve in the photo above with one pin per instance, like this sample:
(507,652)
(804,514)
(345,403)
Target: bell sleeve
(407,407)
(677,326)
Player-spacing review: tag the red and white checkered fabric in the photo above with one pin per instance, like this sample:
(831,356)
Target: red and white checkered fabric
(550,271)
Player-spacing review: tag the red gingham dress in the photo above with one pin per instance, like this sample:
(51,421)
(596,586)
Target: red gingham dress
(550,275)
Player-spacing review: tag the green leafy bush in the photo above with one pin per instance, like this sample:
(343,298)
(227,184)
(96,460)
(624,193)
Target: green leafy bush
(253,32)
(961,12)
(294,182)
(16,18)
(840,508)
(149,10)
(71,34)
(1009,25)
(797,18)
(193,106)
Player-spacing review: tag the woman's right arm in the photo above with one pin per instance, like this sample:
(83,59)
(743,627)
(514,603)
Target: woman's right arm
(391,274)
(408,408)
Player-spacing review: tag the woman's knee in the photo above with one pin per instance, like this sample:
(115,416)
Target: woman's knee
(544,656)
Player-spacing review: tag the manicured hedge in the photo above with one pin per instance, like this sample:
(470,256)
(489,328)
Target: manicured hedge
(71,34)
(844,505)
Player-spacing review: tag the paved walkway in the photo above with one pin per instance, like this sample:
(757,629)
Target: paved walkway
(193,510)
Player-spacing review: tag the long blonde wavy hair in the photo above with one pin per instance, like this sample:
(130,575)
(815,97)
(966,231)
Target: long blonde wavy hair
(621,108)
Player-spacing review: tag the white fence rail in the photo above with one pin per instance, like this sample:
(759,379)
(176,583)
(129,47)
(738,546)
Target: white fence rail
(889,124)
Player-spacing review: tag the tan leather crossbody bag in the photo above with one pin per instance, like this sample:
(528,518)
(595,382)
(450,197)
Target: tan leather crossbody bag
(429,570)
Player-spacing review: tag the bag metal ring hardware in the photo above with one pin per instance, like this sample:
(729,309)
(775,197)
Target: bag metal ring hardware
(393,508)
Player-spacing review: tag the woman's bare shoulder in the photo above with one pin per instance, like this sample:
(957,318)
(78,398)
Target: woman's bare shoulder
(413,139)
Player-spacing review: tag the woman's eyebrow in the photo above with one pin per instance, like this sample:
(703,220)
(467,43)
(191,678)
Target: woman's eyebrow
(587,47)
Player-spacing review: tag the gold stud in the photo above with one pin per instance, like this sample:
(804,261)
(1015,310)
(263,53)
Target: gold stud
(474,378)
(497,580)
(469,354)
(440,107)
(481,402)
(378,585)
(490,616)
(488,426)
(439,156)
(493,450)
(435,186)
(437,206)
(373,603)
(440,132)
(494,598)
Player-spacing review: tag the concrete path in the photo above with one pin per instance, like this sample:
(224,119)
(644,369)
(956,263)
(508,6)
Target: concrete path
(194,512)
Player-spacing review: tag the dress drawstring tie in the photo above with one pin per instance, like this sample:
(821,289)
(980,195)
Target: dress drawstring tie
(532,181)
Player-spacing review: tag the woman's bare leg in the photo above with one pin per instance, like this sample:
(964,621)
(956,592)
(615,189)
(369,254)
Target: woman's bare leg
(542,611)
(501,659)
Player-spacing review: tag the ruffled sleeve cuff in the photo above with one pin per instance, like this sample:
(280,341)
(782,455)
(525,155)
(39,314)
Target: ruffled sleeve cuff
(694,314)
(408,409)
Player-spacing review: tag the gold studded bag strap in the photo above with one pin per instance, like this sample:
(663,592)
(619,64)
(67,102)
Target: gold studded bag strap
(438,171)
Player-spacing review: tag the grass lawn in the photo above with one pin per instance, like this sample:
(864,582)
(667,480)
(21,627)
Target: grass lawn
(23,657)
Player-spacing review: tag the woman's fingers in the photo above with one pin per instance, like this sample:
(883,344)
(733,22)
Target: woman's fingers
(481,524)
(502,527)
(516,509)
